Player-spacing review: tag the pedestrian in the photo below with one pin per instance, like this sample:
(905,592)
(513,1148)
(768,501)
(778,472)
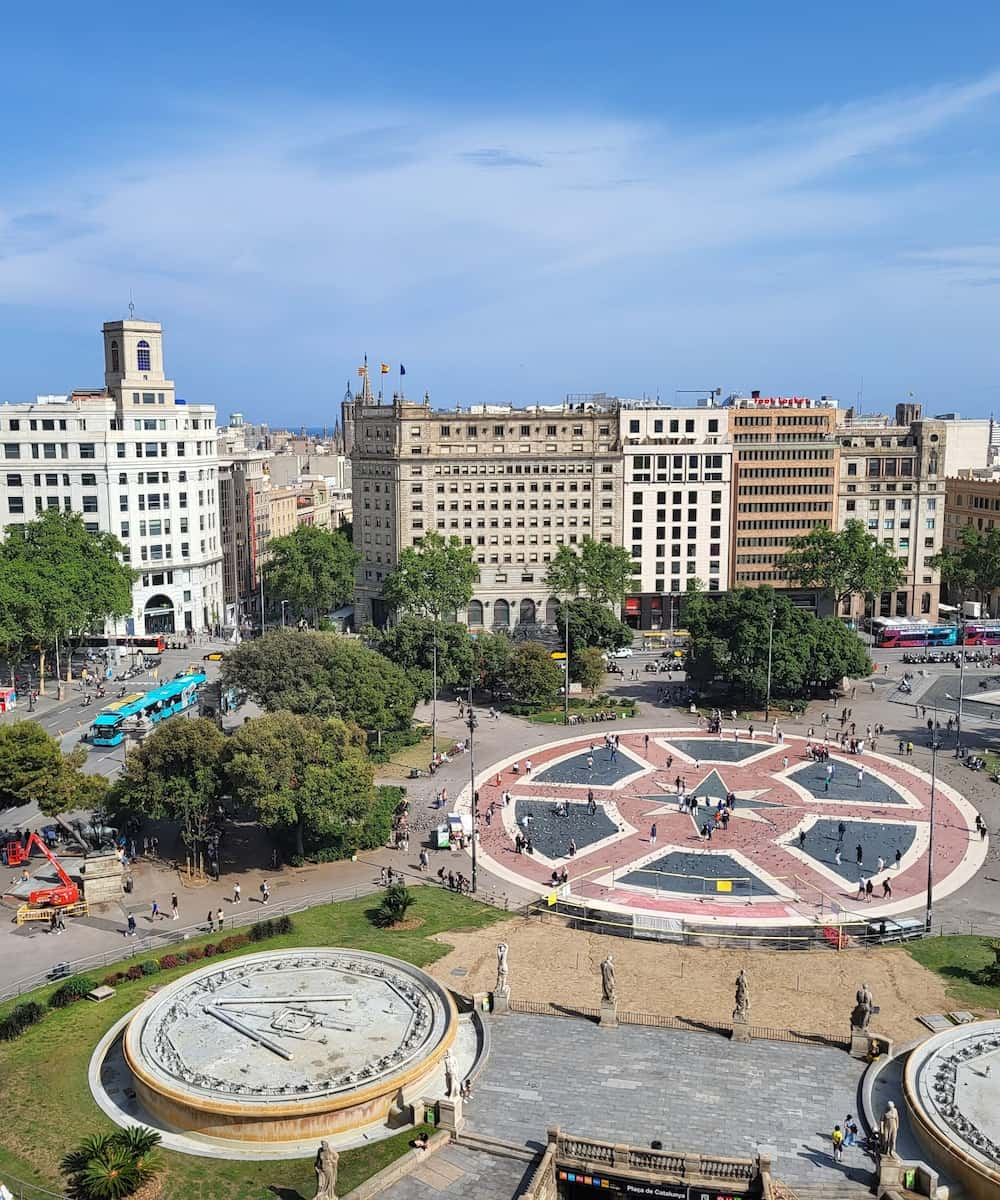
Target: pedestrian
(590,762)
(861,890)
(265,892)
(652,834)
(527,766)
(886,889)
(829,770)
(802,837)
(572,848)
(848,1135)
(155,911)
(425,858)
(859,855)
(130,926)
(836,856)
(219,917)
(837,1137)
(861,776)
(237,894)
(173,906)
(909,749)
(880,865)
(645,741)
(899,859)
(869,888)
(784,762)
(841,830)
(211,921)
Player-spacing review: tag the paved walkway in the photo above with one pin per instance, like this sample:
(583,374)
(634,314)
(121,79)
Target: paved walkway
(459,1171)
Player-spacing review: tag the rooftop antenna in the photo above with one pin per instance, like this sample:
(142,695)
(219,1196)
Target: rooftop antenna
(131,306)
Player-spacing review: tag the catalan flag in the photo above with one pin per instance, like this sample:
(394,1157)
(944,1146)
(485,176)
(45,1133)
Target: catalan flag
(386,368)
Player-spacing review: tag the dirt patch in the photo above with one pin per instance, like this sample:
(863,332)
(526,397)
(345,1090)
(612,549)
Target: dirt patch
(805,991)
(407,923)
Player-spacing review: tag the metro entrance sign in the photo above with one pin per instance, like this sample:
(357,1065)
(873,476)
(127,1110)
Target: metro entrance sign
(575,1185)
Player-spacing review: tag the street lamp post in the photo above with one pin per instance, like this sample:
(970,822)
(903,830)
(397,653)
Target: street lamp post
(471,722)
(434,691)
(566,664)
(284,605)
(961,680)
(930,847)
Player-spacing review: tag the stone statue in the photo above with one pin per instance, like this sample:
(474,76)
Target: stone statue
(450,1076)
(742,1010)
(863,1009)
(609,992)
(889,1130)
(503,985)
(326,1172)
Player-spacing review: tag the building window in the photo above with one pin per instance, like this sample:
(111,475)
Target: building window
(114,358)
(15,504)
(475,613)
(142,356)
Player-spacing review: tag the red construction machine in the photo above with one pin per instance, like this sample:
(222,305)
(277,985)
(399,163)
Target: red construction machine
(54,897)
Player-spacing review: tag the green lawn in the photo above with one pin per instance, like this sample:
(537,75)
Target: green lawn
(956,957)
(47,1104)
(586,709)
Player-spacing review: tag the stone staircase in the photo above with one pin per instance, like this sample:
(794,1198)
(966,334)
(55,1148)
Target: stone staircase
(497,1147)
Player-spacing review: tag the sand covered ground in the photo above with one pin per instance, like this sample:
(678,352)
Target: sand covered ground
(806,991)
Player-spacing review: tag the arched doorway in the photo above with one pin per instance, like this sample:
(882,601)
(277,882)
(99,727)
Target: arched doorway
(501,614)
(158,615)
(527,614)
(551,610)
(475,611)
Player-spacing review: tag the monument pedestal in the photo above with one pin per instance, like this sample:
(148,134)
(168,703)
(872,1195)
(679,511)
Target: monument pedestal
(501,1002)
(860,1039)
(741,1031)
(609,1014)
(450,1115)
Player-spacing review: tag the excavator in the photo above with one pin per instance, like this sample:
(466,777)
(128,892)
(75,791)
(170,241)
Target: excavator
(43,902)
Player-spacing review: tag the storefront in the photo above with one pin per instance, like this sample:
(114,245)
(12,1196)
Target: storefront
(576,1185)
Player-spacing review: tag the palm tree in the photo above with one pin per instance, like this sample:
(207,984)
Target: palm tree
(112,1166)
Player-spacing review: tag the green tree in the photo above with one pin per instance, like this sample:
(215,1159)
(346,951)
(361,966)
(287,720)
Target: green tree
(586,667)
(33,768)
(307,776)
(72,581)
(176,774)
(592,624)
(492,653)
(728,647)
(322,674)
(394,906)
(112,1166)
(433,578)
(601,570)
(971,566)
(311,568)
(410,643)
(846,563)
(532,675)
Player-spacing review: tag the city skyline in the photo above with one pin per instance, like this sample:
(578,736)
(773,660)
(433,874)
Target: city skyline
(515,213)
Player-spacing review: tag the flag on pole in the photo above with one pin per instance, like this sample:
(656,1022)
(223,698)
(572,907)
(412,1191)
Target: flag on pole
(386,368)
(362,371)
(402,369)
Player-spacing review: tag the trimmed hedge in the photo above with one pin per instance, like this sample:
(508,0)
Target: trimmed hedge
(19,1019)
(72,990)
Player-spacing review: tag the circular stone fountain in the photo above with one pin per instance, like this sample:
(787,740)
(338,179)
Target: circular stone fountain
(287,1045)
(952,1089)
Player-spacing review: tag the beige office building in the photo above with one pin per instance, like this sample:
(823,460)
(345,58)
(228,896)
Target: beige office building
(513,484)
(972,497)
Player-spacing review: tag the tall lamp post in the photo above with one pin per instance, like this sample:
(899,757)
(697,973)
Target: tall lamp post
(434,690)
(284,605)
(930,848)
(471,722)
(961,680)
(566,664)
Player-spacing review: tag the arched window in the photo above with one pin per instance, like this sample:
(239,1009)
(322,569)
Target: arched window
(925,602)
(475,613)
(527,612)
(115,362)
(551,610)
(142,356)
(501,614)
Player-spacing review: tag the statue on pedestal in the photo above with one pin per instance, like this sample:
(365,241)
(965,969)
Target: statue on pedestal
(326,1172)
(503,985)
(450,1076)
(889,1131)
(742,1010)
(609,992)
(863,1009)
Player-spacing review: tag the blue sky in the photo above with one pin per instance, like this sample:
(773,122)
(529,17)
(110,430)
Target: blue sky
(516,201)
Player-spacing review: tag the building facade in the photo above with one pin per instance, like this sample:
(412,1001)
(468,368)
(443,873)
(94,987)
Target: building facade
(785,474)
(513,484)
(245,525)
(675,506)
(973,498)
(136,462)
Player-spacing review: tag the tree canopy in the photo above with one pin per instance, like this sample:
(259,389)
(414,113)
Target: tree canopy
(59,581)
(175,774)
(311,568)
(845,563)
(974,565)
(306,775)
(322,674)
(532,675)
(586,667)
(601,570)
(32,767)
(410,645)
(435,577)
(592,624)
(728,646)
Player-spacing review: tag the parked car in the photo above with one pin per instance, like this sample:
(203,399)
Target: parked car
(213,656)
(624,652)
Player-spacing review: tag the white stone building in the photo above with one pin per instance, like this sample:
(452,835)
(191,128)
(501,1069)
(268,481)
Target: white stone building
(134,461)
(675,505)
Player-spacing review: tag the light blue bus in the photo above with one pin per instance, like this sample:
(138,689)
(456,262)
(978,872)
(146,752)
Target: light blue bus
(179,694)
